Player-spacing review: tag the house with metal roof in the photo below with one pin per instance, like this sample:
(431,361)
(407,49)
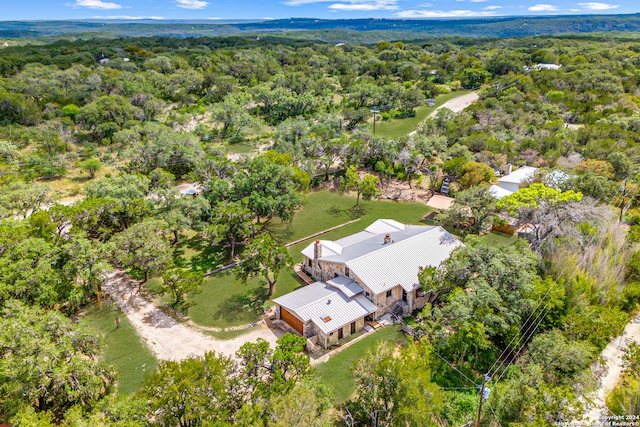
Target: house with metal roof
(513,181)
(331,311)
(375,270)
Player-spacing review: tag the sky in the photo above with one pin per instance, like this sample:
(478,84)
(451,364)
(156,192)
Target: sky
(329,9)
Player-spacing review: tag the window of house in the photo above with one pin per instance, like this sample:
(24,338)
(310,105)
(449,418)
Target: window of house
(346,271)
(389,293)
(367,295)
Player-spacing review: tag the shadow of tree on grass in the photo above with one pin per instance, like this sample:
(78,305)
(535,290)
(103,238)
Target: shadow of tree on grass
(243,308)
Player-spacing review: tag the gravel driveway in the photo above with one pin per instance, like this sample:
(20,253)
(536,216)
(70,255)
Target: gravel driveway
(167,338)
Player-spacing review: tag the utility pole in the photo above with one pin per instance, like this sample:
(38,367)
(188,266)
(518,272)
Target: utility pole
(624,194)
(484,379)
(375,111)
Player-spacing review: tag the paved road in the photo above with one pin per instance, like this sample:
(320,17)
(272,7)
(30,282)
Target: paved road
(167,338)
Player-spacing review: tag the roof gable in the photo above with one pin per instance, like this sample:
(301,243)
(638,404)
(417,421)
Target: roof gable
(328,308)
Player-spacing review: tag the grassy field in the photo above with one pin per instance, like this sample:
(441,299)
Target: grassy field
(337,371)
(497,239)
(396,128)
(225,301)
(124,349)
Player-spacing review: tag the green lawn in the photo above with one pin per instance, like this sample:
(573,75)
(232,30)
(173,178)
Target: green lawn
(225,301)
(124,349)
(500,240)
(396,128)
(337,371)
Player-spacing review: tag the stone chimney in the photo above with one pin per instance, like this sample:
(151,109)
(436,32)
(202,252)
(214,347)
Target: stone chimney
(509,169)
(317,250)
(387,238)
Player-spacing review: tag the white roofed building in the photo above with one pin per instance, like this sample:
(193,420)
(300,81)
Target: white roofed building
(331,311)
(517,179)
(366,274)
(383,260)
(499,192)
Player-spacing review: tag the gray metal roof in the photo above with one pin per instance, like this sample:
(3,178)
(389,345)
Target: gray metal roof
(383,266)
(519,175)
(398,263)
(332,248)
(328,308)
(374,243)
(346,286)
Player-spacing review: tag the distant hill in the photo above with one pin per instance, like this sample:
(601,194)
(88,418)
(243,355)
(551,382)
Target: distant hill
(401,28)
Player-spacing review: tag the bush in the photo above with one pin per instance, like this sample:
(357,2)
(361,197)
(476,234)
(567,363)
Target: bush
(630,296)
(634,234)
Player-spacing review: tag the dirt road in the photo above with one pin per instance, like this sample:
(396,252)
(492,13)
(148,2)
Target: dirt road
(613,355)
(457,104)
(168,339)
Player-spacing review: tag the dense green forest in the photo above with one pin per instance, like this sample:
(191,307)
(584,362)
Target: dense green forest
(111,126)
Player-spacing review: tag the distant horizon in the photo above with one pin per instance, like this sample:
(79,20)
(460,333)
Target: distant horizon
(249,10)
(214,21)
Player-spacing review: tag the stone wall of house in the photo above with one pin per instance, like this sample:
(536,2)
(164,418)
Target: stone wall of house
(308,329)
(417,302)
(328,270)
(332,338)
(385,303)
(322,270)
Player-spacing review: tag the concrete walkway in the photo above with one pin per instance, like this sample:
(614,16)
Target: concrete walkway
(613,355)
(167,338)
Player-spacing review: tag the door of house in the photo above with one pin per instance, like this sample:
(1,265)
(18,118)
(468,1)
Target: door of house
(340,334)
(353,328)
(404,296)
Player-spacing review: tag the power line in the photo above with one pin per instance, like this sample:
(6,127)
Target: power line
(456,369)
(494,414)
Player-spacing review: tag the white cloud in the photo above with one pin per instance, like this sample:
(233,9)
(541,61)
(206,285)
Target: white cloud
(493,7)
(543,8)
(301,2)
(129,17)
(350,5)
(366,6)
(94,4)
(191,4)
(598,6)
(443,13)
(477,1)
